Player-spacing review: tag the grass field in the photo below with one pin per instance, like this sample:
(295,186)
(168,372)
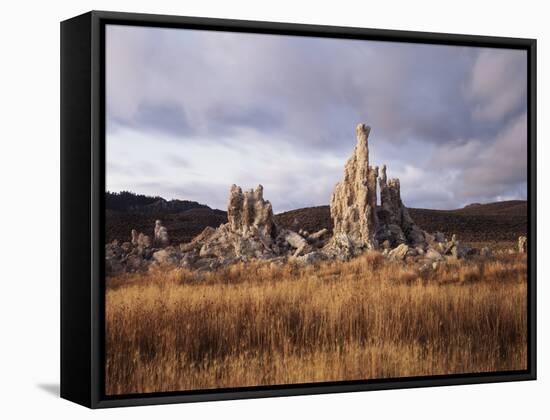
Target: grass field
(259,324)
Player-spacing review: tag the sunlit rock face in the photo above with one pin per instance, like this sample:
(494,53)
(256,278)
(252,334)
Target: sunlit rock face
(161,235)
(353,202)
(249,214)
(359,224)
(522,244)
(396,225)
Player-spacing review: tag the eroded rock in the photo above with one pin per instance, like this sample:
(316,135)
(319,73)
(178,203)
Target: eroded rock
(353,202)
(522,244)
(144,241)
(297,242)
(396,224)
(249,214)
(433,255)
(319,234)
(198,241)
(169,256)
(249,233)
(161,235)
(311,258)
(359,224)
(135,236)
(399,253)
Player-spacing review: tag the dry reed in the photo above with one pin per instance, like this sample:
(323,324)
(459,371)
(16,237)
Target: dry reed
(260,324)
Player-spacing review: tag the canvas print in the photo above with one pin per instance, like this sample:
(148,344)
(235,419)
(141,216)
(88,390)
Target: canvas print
(288,210)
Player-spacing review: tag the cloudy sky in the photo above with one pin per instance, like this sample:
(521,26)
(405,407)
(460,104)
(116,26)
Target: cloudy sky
(191,112)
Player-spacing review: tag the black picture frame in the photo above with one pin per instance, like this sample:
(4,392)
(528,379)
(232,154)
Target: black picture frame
(82,206)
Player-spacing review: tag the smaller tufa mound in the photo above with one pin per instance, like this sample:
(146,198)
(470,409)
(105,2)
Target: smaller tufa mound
(396,225)
(399,253)
(141,240)
(522,244)
(392,210)
(130,256)
(249,232)
(249,214)
(161,235)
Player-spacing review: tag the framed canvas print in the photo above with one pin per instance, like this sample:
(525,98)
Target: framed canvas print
(255,209)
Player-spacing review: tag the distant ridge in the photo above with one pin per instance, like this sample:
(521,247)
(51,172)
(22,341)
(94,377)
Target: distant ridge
(499,221)
(139,203)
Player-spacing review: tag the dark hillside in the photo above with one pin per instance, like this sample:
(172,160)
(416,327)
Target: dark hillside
(311,219)
(501,221)
(184,219)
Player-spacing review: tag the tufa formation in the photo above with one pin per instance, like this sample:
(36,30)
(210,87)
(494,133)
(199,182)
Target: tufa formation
(522,244)
(353,202)
(161,235)
(360,224)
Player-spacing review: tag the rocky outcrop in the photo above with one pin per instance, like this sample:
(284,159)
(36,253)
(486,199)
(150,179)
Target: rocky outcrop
(433,255)
(141,240)
(161,235)
(126,257)
(353,202)
(249,233)
(249,214)
(522,244)
(392,209)
(198,240)
(399,253)
(318,235)
(297,242)
(396,225)
(359,224)
(168,256)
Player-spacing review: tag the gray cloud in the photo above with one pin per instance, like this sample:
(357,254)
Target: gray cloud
(488,171)
(443,114)
(226,119)
(166,118)
(498,84)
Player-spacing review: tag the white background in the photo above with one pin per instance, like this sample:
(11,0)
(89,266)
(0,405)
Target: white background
(29,210)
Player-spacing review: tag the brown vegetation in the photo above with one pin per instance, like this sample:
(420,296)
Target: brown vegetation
(492,222)
(262,324)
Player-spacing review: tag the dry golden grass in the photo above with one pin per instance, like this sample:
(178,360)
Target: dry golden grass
(258,324)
